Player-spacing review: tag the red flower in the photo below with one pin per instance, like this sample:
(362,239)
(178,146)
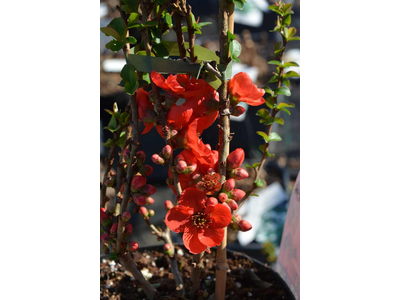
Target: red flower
(202,226)
(235,159)
(242,89)
(145,109)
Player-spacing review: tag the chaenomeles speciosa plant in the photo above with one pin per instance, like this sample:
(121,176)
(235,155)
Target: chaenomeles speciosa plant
(158,75)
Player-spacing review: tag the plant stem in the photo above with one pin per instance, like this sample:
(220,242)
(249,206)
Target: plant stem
(179,34)
(191,34)
(225,12)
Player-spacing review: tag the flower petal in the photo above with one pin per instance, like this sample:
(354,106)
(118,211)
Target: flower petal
(221,215)
(178,217)
(191,240)
(211,236)
(193,198)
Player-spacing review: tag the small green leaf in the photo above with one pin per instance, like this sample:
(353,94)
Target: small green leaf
(239,4)
(273,79)
(290,74)
(263,135)
(270,101)
(259,183)
(261,148)
(285,110)
(131,40)
(255,165)
(116,28)
(150,24)
(114,45)
(290,64)
(133,19)
(282,104)
(279,120)
(275,8)
(295,38)
(168,20)
(283,90)
(109,143)
(121,140)
(275,137)
(113,123)
(263,113)
(235,48)
(254,195)
(286,82)
(275,62)
(269,90)
(231,36)
(286,8)
(291,32)
(124,118)
(201,24)
(287,20)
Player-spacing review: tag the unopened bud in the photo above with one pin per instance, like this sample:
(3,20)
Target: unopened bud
(105,219)
(235,159)
(190,169)
(151,213)
(126,154)
(157,159)
(237,194)
(143,212)
(211,201)
(137,183)
(239,174)
(128,230)
(167,249)
(132,246)
(148,190)
(146,170)
(167,152)
(149,200)
(232,204)
(105,238)
(125,216)
(168,205)
(141,157)
(244,225)
(229,185)
(181,166)
(223,197)
(139,199)
(114,230)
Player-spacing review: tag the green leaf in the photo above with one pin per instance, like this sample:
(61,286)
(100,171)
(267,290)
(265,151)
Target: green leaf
(255,165)
(287,20)
(295,38)
(259,183)
(121,140)
(279,120)
(268,90)
(283,90)
(109,143)
(290,64)
(275,62)
(291,32)
(124,118)
(275,8)
(273,79)
(263,113)
(231,36)
(129,75)
(275,137)
(131,40)
(290,74)
(286,8)
(130,6)
(113,123)
(281,105)
(150,24)
(261,148)
(286,82)
(239,4)
(235,48)
(161,50)
(285,110)
(201,24)
(263,135)
(168,20)
(270,101)
(114,45)
(133,19)
(270,154)
(254,195)
(279,50)
(116,29)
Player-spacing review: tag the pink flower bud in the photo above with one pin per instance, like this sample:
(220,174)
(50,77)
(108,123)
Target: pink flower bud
(157,159)
(178,158)
(139,199)
(232,204)
(167,152)
(125,216)
(105,238)
(167,249)
(137,183)
(146,170)
(114,230)
(238,194)
(239,174)
(238,218)
(181,166)
(132,246)
(235,159)
(223,197)
(211,201)
(128,230)
(141,157)
(105,219)
(148,190)
(143,212)
(244,225)
(226,204)
(190,169)
(168,205)
(151,213)
(149,200)
(126,154)
(238,111)
(229,185)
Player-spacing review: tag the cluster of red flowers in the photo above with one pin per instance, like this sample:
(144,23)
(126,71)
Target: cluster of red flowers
(205,206)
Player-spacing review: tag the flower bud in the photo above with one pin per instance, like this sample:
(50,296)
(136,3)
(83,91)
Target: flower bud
(190,169)
(238,218)
(167,249)
(181,166)
(148,190)
(132,246)
(128,230)
(105,238)
(157,159)
(114,230)
(146,170)
(125,216)
(143,212)
(141,157)
(223,197)
(237,194)
(137,183)
(238,111)
(244,225)
(139,199)
(126,154)
(105,219)
(239,174)
(229,185)
(232,204)
(178,158)
(151,213)
(168,205)
(167,152)
(235,159)
(149,200)
(211,201)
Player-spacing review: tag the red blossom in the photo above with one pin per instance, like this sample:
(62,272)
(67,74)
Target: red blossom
(235,159)
(242,89)
(202,226)
(145,109)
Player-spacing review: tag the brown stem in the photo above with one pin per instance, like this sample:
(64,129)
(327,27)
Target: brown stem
(225,12)
(191,34)
(179,34)
(129,264)
(197,267)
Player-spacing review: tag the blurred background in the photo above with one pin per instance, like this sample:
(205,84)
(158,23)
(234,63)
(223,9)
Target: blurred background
(268,211)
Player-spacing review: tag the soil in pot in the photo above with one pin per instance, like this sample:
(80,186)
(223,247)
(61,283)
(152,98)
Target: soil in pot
(247,279)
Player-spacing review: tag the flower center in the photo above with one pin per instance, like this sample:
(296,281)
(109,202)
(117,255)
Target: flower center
(210,183)
(201,220)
